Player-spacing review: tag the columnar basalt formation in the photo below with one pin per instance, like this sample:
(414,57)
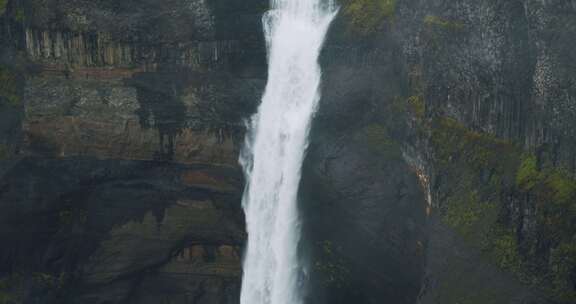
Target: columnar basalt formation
(124,155)
(440,169)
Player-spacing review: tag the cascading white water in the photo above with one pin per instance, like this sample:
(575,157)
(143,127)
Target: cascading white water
(275,147)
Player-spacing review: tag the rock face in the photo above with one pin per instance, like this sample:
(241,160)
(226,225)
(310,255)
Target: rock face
(493,86)
(479,97)
(120,181)
(441,166)
(97,231)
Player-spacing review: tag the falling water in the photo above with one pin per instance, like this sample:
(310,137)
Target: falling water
(275,146)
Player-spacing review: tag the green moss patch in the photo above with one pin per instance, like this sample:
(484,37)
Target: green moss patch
(435,22)
(367,15)
(480,173)
(19,15)
(379,141)
(331,265)
(469,216)
(3,4)
(553,192)
(555,183)
(417,106)
(6,297)
(502,246)
(563,259)
(48,280)
(4,152)
(9,88)
(11,290)
(528,174)
(453,141)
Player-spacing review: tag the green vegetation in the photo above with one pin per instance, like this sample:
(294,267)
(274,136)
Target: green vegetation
(527,175)
(4,151)
(558,182)
(3,4)
(480,173)
(19,15)
(6,296)
(502,246)
(379,141)
(554,183)
(460,284)
(70,215)
(561,186)
(441,23)
(262,7)
(367,15)
(9,92)
(563,259)
(417,106)
(453,141)
(331,265)
(469,216)
(553,191)
(10,290)
(49,280)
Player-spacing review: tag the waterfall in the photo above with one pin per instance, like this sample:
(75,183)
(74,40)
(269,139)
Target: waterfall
(275,146)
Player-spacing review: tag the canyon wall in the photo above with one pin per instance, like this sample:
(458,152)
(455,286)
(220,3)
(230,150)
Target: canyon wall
(478,98)
(440,169)
(119,171)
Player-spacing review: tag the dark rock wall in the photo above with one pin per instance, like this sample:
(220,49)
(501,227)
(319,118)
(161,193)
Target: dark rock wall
(119,175)
(492,97)
(364,211)
(479,97)
(504,68)
(440,168)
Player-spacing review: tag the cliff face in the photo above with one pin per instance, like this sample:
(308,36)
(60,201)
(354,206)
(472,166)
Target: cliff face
(479,96)
(440,169)
(494,138)
(119,168)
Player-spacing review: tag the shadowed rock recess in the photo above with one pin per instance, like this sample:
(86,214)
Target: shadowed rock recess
(441,166)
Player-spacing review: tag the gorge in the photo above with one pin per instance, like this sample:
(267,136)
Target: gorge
(440,163)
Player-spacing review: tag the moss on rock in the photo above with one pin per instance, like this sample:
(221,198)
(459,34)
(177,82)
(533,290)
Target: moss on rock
(417,106)
(441,23)
(332,265)
(453,140)
(502,246)
(9,88)
(379,141)
(482,177)
(469,216)
(563,259)
(366,15)
(527,175)
(19,15)
(4,151)
(11,289)
(3,4)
